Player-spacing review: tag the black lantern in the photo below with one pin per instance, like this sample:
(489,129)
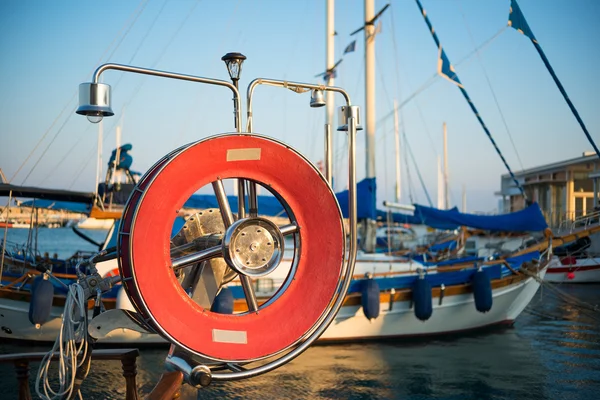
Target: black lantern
(234,63)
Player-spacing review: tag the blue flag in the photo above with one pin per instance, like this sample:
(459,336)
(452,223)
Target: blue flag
(516,19)
(350,48)
(445,68)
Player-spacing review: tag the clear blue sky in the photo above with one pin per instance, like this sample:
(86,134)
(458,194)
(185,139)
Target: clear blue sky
(48,48)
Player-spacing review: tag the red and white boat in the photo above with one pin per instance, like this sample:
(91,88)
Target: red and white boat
(580,254)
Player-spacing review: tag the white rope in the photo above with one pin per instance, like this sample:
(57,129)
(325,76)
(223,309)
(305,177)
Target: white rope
(69,345)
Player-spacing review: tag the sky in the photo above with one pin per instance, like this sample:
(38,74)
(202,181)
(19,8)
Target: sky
(49,48)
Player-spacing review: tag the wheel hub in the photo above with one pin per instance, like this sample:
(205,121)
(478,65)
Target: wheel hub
(253,247)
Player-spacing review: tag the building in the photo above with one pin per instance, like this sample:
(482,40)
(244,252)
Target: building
(564,190)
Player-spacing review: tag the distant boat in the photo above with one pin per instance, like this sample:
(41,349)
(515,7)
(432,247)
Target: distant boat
(11,224)
(93,223)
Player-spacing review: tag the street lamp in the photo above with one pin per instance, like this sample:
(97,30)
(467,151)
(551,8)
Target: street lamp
(234,62)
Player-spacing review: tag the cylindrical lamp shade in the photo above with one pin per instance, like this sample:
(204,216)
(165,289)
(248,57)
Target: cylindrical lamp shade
(94,100)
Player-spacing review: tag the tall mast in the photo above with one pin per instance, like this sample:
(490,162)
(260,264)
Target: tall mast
(397,140)
(370,87)
(371,225)
(440,184)
(330,106)
(446,205)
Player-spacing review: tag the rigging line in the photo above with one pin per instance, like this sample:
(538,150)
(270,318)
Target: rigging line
(47,148)
(41,140)
(69,102)
(142,5)
(411,184)
(141,42)
(516,20)
(387,95)
(148,31)
(395,46)
(164,50)
(186,126)
(412,157)
(487,78)
(141,8)
(456,81)
(137,89)
(52,170)
(385,172)
(435,77)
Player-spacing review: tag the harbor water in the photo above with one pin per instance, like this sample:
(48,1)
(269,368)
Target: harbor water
(552,352)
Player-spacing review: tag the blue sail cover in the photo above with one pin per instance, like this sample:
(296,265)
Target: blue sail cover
(529,219)
(69,206)
(366,205)
(398,218)
(365,198)
(267,205)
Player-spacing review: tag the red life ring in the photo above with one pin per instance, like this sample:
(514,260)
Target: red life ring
(145,260)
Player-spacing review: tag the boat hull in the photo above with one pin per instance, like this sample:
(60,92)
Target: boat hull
(586,270)
(455,314)
(15,325)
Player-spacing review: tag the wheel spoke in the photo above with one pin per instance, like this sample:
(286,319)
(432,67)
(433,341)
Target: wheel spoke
(223,203)
(289,229)
(241,184)
(252,199)
(235,367)
(249,293)
(204,255)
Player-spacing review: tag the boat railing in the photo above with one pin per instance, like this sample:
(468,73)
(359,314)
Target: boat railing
(578,221)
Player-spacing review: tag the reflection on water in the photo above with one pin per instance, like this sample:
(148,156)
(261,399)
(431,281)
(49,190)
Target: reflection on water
(553,352)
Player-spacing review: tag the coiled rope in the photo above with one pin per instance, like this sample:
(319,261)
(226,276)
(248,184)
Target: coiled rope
(69,345)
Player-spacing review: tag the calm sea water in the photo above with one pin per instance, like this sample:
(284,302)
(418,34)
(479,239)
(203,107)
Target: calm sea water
(552,352)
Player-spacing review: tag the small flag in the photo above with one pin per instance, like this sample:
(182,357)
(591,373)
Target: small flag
(377,29)
(351,47)
(446,69)
(517,20)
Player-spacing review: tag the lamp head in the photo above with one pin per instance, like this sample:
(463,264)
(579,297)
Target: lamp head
(94,101)
(234,62)
(346,112)
(317,99)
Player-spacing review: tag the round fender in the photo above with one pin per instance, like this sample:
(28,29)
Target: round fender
(311,287)
(40,306)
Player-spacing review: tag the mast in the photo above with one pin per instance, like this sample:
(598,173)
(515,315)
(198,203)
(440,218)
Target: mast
(397,140)
(440,184)
(99,156)
(330,101)
(370,87)
(446,205)
(371,226)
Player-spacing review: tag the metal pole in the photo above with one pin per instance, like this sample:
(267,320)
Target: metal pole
(330,105)
(446,205)
(370,225)
(370,88)
(5,234)
(165,74)
(397,140)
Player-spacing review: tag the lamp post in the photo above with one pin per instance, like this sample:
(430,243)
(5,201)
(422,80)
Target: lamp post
(234,62)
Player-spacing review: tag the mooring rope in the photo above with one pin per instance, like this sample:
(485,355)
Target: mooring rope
(590,310)
(70,343)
